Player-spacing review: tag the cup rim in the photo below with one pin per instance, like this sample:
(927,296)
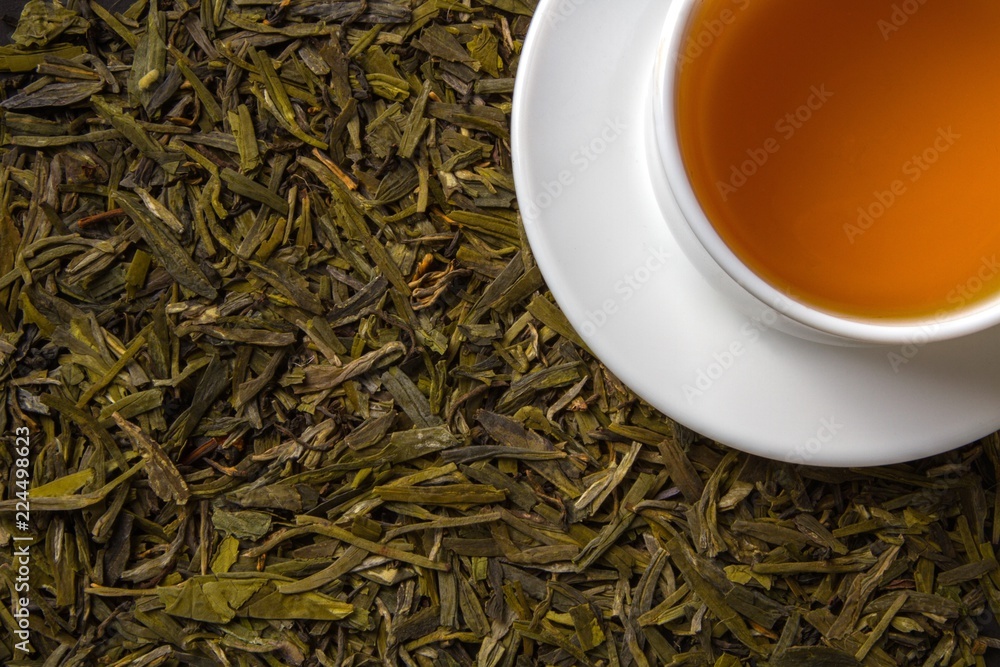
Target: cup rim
(941,325)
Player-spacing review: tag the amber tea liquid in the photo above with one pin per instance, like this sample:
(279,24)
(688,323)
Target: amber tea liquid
(848,151)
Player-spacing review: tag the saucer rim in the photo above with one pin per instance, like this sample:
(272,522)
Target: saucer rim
(917,445)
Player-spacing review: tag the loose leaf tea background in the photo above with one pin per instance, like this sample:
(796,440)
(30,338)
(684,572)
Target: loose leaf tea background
(298,394)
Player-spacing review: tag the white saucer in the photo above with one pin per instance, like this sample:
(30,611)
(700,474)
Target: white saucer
(580,151)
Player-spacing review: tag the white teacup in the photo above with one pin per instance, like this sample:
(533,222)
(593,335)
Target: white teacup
(710,254)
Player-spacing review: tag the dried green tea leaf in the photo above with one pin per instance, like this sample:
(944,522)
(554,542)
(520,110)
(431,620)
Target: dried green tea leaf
(243,130)
(64,485)
(438,42)
(208,600)
(243,185)
(15,59)
(212,108)
(226,555)
(53,95)
(815,656)
(689,565)
(164,478)
(43,20)
(588,628)
(76,501)
(298,606)
(484,49)
(171,254)
(246,525)
(452,494)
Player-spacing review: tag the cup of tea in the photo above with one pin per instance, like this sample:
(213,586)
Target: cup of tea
(838,162)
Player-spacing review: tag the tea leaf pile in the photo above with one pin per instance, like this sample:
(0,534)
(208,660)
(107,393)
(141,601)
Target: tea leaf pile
(298,395)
